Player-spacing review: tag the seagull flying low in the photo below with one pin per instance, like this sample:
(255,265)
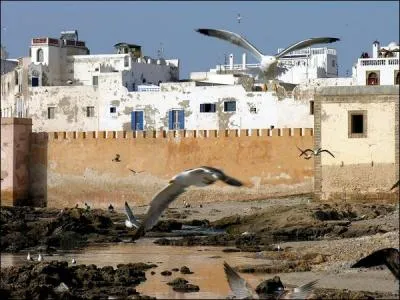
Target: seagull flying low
(387,256)
(309,152)
(131,221)
(243,290)
(395,185)
(201,177)
(268,63)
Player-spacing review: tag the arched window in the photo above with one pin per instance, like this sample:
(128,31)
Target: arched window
(397,79)
(39,56)
(372,79)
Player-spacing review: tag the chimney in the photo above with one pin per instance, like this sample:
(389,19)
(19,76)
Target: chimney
(244,61)
(375,49)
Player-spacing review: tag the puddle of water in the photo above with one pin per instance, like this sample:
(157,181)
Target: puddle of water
(208,272)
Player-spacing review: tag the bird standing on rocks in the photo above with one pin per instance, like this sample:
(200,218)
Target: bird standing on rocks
(29,257)
(111,208)
(201,177)
(73,261)
(40,258)
(87,206)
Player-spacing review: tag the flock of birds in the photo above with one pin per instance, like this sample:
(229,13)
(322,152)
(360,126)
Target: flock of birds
(205,176)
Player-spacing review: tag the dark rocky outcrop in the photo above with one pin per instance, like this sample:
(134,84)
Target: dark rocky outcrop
(182,285)
(58,281)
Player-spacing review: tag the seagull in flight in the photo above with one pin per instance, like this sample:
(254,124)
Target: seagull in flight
(242,290)
(131,221)
(395,185)
(386,256)
(268,63)
(309,152)
(201,177)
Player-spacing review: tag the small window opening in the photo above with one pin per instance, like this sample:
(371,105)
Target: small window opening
(230,106)
(357,124)
(90,111)
(207,107)
(51,112)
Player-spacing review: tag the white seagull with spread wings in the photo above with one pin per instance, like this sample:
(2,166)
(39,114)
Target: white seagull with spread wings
(268,63)
(201,177)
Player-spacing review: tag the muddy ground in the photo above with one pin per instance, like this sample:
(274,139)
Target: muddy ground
(312,236)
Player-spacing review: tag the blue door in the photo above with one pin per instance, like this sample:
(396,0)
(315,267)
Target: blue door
(137,120)
(176,119)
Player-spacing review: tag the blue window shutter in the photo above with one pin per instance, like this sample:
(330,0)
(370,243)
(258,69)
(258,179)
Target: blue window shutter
(181,119)
(170,120)
(133,120)
(140,119)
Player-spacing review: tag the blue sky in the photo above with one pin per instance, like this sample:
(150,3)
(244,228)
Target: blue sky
(268,25)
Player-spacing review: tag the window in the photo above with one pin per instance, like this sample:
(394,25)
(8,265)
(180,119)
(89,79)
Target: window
(95,80)
(133,87)
(396,77)
(39,55)
(50,112)
(176,119)
(373,78)
(89,111)
(137,120)
(16,77)
(126,61)
(253,110)
(333,63)
(113,110)
(207,107)
(35,81)
(357,124)
(230,106)
(311,107)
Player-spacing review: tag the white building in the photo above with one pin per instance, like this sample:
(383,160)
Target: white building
(380,68)
(63,88)
(111,107)
(66,61)
(301,66)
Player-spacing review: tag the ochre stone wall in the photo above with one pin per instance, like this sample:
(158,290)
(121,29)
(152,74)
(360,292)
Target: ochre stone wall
(15,151)
(77,167)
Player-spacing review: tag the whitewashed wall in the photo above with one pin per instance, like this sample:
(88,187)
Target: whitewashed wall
(71,103)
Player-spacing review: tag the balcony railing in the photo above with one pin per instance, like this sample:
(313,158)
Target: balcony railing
(310,51)
(378,62)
